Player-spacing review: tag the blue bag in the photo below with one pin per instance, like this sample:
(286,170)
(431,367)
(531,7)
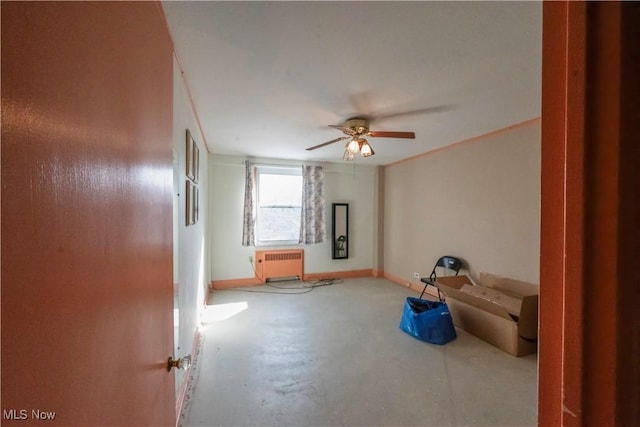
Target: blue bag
(428,321)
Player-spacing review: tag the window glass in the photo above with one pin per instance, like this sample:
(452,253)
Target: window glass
(279,205)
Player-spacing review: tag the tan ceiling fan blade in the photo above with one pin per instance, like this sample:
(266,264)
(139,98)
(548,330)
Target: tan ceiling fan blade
(328,142)
(384,134)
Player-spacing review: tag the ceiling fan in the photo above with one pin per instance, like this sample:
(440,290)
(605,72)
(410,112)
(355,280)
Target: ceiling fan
(356,129)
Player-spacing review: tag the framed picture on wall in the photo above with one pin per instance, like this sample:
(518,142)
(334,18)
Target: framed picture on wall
(189,166)
(188,203)
(196,202)
(191,203)
(195,160)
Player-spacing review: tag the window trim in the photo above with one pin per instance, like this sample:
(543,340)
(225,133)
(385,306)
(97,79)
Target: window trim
(273,170)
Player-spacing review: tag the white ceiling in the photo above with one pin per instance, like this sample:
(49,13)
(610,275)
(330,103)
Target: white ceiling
(268,77)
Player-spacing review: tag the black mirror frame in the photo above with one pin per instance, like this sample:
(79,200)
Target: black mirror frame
(339,248)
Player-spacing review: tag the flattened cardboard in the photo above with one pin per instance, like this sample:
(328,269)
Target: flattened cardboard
(511,303)
(528,324)
(506,284)
(484,311)
(495,330)
(474,301)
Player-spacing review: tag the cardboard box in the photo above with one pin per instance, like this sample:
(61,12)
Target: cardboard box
(501,311)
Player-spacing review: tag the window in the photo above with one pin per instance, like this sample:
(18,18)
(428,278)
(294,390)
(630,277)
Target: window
(279,204)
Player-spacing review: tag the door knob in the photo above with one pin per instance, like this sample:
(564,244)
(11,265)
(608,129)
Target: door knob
(182,363)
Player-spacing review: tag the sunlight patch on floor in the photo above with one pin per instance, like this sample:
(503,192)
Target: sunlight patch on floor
(221,312)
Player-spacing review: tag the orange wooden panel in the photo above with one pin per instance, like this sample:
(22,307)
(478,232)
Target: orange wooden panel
(87,304)
(588,370)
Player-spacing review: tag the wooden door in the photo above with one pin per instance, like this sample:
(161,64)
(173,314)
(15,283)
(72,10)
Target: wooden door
(87,308)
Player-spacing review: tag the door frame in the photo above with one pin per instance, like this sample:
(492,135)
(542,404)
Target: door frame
(588,371)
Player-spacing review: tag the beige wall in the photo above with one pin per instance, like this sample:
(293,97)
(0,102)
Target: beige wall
(478,200)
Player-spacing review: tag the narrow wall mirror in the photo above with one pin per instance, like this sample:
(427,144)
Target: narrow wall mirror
(340,230)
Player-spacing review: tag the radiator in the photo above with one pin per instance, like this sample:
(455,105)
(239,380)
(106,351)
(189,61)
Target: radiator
(279,264)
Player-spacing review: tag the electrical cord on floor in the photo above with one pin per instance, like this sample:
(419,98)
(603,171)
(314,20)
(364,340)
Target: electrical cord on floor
(313,283)
(316,283)
(308,286)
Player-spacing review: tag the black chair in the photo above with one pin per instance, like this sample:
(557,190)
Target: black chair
(446,262)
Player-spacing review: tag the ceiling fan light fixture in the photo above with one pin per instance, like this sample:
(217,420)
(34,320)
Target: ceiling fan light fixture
(353,146)
(365,149)
(355,129)
(348,155)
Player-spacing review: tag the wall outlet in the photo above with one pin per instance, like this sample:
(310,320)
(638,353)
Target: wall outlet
(416,275)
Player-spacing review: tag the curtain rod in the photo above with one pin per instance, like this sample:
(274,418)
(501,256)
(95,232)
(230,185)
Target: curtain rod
(327,166)
(294,163)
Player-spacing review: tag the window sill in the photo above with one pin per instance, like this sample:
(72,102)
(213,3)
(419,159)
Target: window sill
(278,243)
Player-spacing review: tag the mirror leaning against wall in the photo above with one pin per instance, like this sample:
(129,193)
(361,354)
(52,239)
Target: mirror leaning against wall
(340,230)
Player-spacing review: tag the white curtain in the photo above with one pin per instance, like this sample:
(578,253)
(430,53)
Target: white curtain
(313,227)
(248,222)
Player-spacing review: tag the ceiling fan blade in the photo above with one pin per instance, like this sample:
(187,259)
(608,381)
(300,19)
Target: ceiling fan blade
(408,113)
(344,129)
(328,142)
(383,134)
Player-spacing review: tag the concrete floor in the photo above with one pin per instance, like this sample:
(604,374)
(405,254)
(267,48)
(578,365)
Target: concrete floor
(336,357)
